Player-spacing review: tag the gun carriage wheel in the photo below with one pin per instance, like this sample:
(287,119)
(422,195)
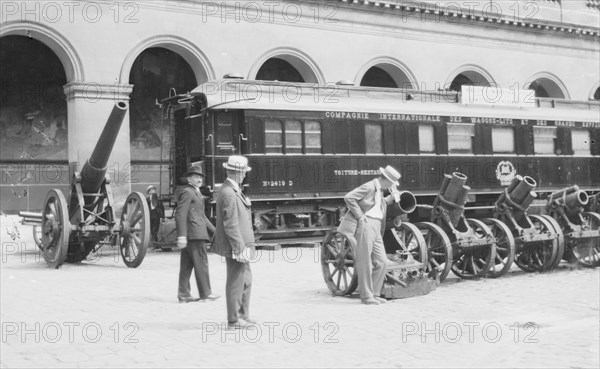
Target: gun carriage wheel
(505,247)
(411,241)
(135,230)
(37,236)
(472,262)
(560,238)
(586,251)
(538,256)
(56,228)
(439,249)
(337,264)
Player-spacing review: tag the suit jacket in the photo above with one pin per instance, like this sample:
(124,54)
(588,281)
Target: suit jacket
(359,201)
(234,222)
(190,219)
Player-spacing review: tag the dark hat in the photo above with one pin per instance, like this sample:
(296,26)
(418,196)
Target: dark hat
(194,169)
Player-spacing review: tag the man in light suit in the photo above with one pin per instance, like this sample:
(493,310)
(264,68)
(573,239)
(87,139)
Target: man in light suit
(364,224)
(193,231)
(234,239)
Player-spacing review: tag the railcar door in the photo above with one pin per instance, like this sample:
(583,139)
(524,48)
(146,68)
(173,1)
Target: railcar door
(228,138)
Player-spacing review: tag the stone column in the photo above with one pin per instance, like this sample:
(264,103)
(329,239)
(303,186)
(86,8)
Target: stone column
(89,106)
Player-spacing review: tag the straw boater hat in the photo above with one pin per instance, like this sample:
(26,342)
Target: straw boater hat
(150,187)
(237,163)
(390,173)
(194,169)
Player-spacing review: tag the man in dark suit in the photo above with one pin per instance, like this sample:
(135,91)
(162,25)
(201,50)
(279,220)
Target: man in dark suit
(234,239)
(193,231)
(364,224)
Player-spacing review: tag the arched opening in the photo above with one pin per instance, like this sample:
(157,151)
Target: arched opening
(545,87)
(154,72)
(386,75)
(597,94)
(276,69)
(33,108)
(468,78)
(377,77)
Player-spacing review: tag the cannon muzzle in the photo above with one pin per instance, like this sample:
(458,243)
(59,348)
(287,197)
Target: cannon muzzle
(571,198)
(406,204)
(94,170)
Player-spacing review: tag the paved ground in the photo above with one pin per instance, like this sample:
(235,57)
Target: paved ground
(103,314)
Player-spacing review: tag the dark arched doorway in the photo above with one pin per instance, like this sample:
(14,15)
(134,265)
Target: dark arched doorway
(155,71)
(33,108)
(468,78)
(377,77)
(545,87)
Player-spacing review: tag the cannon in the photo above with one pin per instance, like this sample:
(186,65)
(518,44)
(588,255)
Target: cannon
(581,228)
(406,271)
(73,227)
(465,246)
(534,242)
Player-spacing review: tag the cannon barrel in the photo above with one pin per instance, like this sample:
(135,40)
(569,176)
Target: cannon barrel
(518,196)
(453,195)
(407,204)
(572,198)
(94,170)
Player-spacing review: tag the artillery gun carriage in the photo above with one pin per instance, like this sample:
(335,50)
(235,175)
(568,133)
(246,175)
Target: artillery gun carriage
(71,227)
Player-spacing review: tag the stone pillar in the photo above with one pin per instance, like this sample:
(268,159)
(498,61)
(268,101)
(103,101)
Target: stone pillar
(89,106)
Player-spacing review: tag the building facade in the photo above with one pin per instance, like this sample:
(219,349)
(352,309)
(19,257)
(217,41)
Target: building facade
(65,64)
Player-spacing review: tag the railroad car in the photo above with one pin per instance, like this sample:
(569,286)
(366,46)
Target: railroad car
(308,144)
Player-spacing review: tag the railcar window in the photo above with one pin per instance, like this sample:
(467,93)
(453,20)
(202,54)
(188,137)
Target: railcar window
(273,136)
(581,142)
(460,138)
(293,137)
(224,129)
(312,131)
(544,140)
(426,138)
(503,140)
(373,141)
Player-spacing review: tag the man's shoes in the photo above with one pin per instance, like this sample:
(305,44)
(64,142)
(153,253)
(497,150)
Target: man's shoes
(210,298)
(380,299)
(240,324)
(185,300)
(249,320)
(370,301)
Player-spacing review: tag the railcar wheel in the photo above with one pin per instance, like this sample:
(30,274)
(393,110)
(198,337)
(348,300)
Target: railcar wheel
(37,236)
(411,240)
(439,249)
(337,264)
(560,236)
(538,256)
(587,251)
(56,228)
(505,247)
(475,262)
(135,230)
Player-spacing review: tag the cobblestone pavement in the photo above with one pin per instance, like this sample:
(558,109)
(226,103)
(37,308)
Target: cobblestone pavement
(103,314)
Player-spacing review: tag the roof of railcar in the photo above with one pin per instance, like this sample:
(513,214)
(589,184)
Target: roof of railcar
(269,95)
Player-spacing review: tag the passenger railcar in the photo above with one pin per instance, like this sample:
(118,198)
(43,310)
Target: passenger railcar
(308,145)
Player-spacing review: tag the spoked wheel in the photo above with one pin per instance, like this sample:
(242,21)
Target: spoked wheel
(439,249)
(56,228)
(135,230)
(560,237)
(411,240)
(337,264)
(37,236)
(475,262)
(587,251)
(505,247)
(538,256)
